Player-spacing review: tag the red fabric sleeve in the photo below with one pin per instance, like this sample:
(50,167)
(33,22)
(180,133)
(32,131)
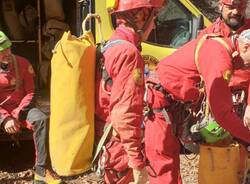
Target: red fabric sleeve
(126,101)
(3,115)
(214,61)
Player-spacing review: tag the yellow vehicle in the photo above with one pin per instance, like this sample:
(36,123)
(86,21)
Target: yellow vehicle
(34,26)
(178,22)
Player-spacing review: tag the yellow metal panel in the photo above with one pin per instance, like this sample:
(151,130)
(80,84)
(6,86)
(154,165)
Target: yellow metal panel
(195,11)
(107,27)
(149,49)
(156,51)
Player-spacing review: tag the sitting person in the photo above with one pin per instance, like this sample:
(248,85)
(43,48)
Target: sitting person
(17,107)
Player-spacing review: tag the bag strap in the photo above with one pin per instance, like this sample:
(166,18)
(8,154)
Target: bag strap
(102,142)
(17,72)
(99,21)
(100,51)
(215,37)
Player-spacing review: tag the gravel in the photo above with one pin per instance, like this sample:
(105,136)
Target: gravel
(16,166)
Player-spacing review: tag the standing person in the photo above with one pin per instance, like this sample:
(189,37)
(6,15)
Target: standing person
(178,81)
(17,107)
(232,18)
(232,21)
(121,103)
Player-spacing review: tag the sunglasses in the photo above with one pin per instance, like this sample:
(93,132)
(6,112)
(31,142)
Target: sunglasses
(4,66)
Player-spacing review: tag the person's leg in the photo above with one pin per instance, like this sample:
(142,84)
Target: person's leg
(162,151)
(38,121)
(114,163)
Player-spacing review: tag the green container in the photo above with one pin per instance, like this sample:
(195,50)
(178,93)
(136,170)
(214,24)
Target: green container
(4,41)
(213,133)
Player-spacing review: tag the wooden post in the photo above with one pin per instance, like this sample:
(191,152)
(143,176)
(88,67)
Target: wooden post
(39,33)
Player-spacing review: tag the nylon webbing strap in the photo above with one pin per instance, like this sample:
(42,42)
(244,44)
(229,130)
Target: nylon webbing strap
(166,116)
(16,67)
(105,74)
(110,44)
(102,141)
(202,40)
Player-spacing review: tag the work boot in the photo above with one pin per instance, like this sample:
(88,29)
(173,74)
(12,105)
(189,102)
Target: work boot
(50,177)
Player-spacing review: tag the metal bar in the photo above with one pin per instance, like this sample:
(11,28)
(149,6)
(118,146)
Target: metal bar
(39,40)
(24,41)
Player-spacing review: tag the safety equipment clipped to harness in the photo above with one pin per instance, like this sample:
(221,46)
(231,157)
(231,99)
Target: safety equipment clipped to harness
(72,102)
(210,131)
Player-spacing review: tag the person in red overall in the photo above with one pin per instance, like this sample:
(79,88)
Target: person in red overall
(179,79)
(233,21)
(121,103)
(17,107)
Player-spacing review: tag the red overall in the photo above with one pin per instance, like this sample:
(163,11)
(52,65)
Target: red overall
(123,106)
(179,76)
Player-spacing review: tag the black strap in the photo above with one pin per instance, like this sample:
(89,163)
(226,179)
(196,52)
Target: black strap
(165,110)
(99,56)
(167,95)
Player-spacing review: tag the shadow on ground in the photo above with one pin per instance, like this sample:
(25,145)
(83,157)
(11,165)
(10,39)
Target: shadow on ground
(14,158)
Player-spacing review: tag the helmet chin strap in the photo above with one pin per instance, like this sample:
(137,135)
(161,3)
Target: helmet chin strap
(148,21)
(131,21)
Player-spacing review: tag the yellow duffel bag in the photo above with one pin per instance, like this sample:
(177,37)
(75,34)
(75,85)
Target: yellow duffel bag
(222,164)
(71,135)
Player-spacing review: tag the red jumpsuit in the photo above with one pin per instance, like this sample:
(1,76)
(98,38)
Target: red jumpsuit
(240,78)
(17,102)
(16,99)
(178,75)
(123,106)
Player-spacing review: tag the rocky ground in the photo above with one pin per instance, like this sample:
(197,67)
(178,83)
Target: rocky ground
(16,163)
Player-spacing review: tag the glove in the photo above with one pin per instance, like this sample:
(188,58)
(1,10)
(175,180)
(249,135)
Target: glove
(11,125)
(140,176)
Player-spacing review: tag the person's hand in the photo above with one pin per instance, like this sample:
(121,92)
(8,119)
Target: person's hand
(11,125)
(246,118)
(140,176)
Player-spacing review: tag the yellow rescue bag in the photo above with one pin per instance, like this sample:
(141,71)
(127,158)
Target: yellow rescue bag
(222,164)
(71,135)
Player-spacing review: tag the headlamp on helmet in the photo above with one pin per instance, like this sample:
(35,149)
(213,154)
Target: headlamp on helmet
(111,5)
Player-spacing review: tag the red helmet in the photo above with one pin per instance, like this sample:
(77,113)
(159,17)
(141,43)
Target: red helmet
(124,5)
(234,2)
